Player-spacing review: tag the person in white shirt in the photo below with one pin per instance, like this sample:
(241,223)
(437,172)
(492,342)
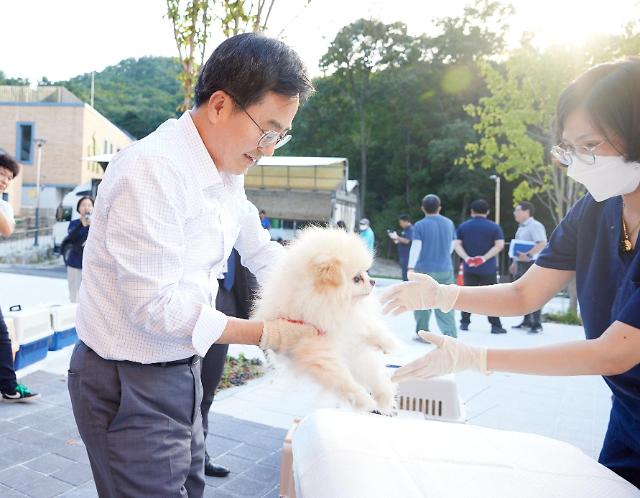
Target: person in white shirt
(168,212)
(10,390)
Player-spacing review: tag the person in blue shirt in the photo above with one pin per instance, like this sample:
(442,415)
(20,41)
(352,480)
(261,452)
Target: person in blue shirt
(73,246)
(367,235)
(266,222)
(478,242)
(597,243)
(403,241)
(430,254)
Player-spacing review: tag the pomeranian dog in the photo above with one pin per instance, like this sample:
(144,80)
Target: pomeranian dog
(322,280)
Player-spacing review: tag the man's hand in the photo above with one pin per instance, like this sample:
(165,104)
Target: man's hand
(512,268)
(475,261)
(523,256)
(281,335)
(449,356)
(421,292)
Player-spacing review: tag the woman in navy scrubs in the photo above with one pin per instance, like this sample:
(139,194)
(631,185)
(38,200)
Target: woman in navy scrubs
(598,120)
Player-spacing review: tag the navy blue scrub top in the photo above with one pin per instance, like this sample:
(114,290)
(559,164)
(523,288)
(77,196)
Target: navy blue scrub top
(608,284)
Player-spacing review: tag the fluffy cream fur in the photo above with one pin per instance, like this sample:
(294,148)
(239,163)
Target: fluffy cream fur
(322,280)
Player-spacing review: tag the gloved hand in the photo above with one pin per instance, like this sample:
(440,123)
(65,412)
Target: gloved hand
(449,356)
(282,334)
(421,292)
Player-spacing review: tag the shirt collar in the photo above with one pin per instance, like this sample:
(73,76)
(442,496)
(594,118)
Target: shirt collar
(525,223)
(204,169)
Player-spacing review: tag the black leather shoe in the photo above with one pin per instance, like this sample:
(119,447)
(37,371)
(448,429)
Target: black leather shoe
(498,330)
(464,326)
(522,325)
(535,329)
(213,470)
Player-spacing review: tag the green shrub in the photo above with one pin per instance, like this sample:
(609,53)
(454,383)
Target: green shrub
(237,371)
(567,317)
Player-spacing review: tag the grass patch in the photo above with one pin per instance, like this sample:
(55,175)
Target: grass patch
(240,370)
(567,317)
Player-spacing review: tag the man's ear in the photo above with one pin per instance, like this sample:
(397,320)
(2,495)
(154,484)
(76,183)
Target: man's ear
(328,272)
(218,104)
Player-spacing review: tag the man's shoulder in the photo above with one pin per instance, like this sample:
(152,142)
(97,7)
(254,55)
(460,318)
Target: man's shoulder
(536,223)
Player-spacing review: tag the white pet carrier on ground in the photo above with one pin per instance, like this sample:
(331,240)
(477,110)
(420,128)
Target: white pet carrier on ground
(33,331)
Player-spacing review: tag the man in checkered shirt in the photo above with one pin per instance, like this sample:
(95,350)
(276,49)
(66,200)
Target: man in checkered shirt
(169,210)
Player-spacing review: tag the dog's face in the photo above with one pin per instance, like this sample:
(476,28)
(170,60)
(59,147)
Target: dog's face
(335,263)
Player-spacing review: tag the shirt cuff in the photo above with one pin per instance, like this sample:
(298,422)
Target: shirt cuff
(208,329)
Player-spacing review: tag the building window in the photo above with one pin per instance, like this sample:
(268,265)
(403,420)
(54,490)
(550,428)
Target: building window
(106,147)
(24,142)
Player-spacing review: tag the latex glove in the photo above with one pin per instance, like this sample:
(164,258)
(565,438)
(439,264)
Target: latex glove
(421,292)
(282,335)
(449,356)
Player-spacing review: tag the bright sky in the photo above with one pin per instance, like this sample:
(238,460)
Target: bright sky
(63,38)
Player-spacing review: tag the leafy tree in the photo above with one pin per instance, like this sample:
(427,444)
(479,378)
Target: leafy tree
(357,52)
(136,94)
(5,80)
(190,31)
(515,125)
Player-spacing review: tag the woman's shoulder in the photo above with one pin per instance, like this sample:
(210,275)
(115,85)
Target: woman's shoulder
(588,211)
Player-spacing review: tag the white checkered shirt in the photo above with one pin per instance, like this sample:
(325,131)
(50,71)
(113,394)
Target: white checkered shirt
(164,223)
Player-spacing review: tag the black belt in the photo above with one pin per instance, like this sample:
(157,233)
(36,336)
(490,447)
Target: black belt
(185,361)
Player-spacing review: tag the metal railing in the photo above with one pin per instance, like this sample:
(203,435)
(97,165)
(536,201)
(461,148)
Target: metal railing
(23,241)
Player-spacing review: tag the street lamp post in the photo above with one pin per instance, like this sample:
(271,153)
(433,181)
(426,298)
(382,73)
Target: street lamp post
(496,179)
(39,143)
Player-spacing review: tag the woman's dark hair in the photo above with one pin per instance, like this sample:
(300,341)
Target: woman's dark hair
(7,162)
(82,199)
(431,203)
(610,95)
(249,65)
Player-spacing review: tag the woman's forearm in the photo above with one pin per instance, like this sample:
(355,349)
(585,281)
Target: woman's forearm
(571,358)
(527,294)
(613,353)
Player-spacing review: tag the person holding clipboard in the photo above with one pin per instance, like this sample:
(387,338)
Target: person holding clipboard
(531,237)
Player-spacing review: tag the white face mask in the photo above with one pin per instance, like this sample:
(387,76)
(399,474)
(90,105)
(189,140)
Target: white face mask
(363,227)
(608,177)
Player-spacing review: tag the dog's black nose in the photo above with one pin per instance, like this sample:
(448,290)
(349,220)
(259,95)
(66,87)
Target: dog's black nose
(372,282)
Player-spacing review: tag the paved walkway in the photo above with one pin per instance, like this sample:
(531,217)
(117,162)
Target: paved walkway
(41,454)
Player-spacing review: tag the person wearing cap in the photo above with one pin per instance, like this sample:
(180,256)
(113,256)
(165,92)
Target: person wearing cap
(366,234)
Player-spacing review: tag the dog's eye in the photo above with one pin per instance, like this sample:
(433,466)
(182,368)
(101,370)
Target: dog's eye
(357,279)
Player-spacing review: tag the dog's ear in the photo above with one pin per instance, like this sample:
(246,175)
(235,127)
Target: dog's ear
(327,272)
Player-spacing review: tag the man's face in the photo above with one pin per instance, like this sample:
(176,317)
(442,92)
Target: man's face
(5,177)
(404,224)
(233,139)
(520,214)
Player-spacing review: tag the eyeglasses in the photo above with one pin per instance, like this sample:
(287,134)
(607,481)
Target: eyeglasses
(564,153)
(269,137)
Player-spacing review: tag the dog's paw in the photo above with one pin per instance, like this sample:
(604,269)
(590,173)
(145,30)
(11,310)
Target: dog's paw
(386,403)
(384,343)
(361,400)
